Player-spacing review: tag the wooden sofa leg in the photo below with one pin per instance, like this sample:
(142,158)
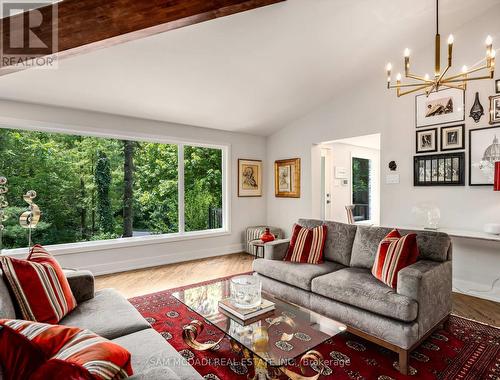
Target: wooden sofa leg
(403,362)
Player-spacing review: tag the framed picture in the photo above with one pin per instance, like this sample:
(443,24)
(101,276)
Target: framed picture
(497,86)
(427,141)
(495,109)
(287,178)
(439,170)
(484,150)
(453,137)
(446,106)
(249,178)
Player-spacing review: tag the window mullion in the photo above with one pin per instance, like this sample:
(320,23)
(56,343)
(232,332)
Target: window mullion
(180,187)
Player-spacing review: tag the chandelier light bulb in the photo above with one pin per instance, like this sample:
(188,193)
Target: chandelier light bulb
(388,67)
(407,53)
(464,69)
(489,40)
(426,76)
(451,39)
(398,77)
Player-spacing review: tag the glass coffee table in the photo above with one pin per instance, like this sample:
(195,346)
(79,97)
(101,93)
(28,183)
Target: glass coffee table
(285,336)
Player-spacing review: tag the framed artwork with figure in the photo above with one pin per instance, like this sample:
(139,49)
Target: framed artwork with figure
(287,178)
(427,141)
(453,137)
(249,178)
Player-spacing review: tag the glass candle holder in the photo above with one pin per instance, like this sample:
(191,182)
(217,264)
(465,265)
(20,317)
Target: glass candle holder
(246,291)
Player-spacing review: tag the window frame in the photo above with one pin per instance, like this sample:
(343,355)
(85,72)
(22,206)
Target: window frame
(181,234)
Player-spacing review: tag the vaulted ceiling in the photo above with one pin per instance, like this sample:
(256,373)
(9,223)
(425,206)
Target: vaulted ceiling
(251,72)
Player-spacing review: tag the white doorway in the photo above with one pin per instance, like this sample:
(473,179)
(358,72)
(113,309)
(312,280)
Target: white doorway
(350,176)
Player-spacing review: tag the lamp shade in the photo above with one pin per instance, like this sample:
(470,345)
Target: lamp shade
(496,186)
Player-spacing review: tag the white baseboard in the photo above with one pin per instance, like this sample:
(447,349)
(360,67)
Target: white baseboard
(473,289)
(153,261)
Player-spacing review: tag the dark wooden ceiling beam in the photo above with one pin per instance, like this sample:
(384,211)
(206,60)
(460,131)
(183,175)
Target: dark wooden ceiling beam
(87,25)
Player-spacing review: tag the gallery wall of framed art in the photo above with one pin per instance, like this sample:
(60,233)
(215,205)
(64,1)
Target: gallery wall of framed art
(452,159)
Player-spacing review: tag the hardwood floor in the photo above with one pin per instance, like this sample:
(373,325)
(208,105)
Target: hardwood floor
(149,280)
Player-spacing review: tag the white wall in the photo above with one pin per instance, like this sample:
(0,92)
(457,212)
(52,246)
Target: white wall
(127,255)
(341,195)
(368,107)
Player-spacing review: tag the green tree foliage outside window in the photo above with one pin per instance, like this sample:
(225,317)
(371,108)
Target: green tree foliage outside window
(83,194)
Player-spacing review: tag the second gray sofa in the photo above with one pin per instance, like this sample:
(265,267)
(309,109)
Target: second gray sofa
(109,314)
(344,289)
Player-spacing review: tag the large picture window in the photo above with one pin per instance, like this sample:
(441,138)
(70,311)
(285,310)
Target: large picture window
(93,188)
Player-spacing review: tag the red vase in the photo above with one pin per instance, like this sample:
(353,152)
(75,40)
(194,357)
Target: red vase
(267,236)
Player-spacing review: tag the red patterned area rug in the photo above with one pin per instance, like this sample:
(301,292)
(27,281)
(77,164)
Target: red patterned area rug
(463,350)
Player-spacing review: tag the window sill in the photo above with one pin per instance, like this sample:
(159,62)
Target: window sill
(101,245)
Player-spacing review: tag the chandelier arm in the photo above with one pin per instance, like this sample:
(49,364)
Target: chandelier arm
(468,72)
(417,77)
(403,85)
(459,87)
(401,93)
(445,82)
(441,76)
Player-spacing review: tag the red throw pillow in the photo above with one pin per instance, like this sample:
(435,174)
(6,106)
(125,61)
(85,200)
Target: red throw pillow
(394,253)
(41,290)
(38,351)
(306,245)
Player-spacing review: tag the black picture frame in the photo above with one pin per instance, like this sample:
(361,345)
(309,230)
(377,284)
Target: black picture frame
(497,86)
(462,143)
(495,129)
(431,169)
(418,149)
(440,122)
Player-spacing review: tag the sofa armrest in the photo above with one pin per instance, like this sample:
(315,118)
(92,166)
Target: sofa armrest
(428,283)
(276,250)
(81,283)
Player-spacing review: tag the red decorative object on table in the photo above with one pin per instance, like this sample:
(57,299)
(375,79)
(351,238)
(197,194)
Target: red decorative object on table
(496,186)
(267,236)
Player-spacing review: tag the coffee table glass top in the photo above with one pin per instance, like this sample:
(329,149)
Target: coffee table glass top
(277,337)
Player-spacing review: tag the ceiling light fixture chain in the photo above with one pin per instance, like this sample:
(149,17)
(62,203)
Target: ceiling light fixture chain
(428,85)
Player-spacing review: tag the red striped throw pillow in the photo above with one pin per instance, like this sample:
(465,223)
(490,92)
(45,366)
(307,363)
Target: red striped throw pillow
(41,290)
(306,245)
(61,352)
(394,253)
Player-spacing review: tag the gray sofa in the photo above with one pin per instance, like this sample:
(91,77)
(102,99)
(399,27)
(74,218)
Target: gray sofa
(344,289)
(110,315)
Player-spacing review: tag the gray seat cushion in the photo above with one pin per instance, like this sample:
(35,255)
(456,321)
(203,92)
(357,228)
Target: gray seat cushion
(154,358)
(358,287)
(339,241)
(108,314)
(7,310)
(296,274)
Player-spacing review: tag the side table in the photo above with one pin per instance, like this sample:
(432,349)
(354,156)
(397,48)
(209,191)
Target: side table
(259,246)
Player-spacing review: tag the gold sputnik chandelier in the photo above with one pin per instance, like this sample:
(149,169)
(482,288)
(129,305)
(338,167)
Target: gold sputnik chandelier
(428,85)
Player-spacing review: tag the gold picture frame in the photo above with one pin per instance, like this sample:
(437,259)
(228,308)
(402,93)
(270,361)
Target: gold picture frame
(287,178)
(495,109)
(249,178)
